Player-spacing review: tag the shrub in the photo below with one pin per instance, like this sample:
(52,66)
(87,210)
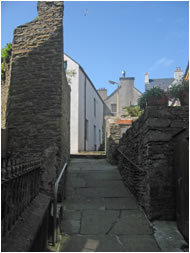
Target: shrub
(133,111)
(155,92)
(177,90)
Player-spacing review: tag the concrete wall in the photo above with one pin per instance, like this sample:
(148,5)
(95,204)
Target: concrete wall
(38,102)
(149,144)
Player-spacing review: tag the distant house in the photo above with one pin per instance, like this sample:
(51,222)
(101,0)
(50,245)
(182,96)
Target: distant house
(186,75)
(128,95)
(163,83)
(86,122)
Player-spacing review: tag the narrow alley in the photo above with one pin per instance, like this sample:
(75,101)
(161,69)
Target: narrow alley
(100,213)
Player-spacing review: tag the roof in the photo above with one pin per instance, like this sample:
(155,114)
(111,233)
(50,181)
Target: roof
(86,77)
(163,83)
(124,122)
(115,91)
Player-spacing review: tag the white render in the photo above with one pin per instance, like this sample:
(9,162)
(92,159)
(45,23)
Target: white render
(83,90)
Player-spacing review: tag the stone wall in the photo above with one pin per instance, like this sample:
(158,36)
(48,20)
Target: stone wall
(5,84)
(114,130)
(38,109)
(149,144)
(112,143)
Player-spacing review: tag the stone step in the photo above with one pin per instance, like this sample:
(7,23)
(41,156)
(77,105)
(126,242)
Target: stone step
(89,155)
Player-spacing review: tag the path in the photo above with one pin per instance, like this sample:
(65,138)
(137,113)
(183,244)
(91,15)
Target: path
(100,214)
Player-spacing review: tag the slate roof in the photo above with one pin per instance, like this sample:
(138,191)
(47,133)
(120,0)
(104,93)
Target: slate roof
(163,83)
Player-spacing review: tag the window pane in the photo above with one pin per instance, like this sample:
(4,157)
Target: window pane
(113,108)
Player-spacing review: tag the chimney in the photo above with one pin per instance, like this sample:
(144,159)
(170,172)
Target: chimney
(178,73)
(103,93)
(146,78)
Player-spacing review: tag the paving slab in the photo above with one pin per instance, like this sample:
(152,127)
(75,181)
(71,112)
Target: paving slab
(120,203)
(84,204)
(103,183)
(139,243)
(97,222)
(91,243)
(70,226)
(100,213)
(72,215)
(132,222)
(168,237)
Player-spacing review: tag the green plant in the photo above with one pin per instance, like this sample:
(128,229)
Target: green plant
(2,72)
(177,90)
(133,111)
(154,93)
(5,58)
(69,74)
(142,102)
(6,53)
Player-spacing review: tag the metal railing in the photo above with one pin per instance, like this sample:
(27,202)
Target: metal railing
(136,166)
(20,183)
(55,203)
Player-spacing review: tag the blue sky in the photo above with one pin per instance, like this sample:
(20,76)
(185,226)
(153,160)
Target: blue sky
(137,37)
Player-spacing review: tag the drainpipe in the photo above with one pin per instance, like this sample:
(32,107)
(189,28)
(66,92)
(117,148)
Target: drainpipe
(85,114)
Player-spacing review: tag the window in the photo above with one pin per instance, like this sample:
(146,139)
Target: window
(94,107)
(65,65)
(113,108)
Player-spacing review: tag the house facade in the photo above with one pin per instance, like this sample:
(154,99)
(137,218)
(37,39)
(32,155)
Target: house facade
(87,109)
(128,95)
(163,83)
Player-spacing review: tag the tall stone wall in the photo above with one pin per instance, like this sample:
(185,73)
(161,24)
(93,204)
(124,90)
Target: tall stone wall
(5,84)
(38,108)
(149,144)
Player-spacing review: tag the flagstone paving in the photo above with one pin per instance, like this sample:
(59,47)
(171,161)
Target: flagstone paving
(100,214)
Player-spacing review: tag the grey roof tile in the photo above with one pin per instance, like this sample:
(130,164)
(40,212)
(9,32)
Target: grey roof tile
(163,83)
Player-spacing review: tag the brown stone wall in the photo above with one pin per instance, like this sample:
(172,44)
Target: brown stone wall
(5,84)
(113,133)
(39,96)
(112,143)
(149,144)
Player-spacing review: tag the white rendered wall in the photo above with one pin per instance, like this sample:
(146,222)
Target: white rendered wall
(81,146)
(92,119)
(81,111)
(74,118)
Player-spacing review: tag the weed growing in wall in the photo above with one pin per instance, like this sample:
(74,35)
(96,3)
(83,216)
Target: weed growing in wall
(5,58)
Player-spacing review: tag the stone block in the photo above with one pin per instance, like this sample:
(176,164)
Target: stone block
(98,222)
(158,122)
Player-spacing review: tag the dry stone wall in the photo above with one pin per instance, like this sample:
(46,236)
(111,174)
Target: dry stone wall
(38,109)
(149,144)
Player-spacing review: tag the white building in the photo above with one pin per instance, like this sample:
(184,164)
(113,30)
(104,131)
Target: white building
(87,108)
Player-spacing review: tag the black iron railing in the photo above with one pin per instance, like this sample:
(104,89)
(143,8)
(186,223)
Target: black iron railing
(20,183)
